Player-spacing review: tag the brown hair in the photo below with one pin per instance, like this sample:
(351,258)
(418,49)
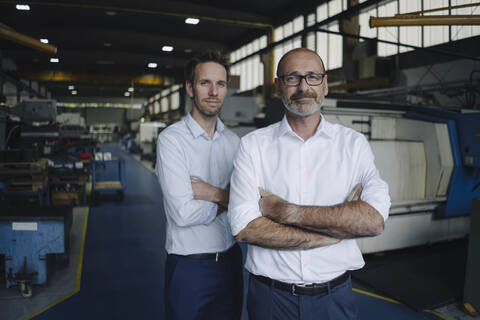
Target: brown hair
(209,56)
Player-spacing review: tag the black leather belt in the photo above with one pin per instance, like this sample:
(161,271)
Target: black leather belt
(305,290)
(211,256)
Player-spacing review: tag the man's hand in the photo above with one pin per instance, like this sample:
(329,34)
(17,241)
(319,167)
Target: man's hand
(275,208)
(207,192)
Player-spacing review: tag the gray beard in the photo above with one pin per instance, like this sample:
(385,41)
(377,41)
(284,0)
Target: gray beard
(292,109)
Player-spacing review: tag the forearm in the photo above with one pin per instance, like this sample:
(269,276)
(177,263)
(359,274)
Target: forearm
(347,220)
(270,234)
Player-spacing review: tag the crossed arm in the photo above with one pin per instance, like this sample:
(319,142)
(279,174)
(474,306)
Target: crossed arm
(351,219)
(280,228)
(204,191)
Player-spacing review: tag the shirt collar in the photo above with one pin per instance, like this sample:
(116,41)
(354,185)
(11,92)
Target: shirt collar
(324,128)
(197,130)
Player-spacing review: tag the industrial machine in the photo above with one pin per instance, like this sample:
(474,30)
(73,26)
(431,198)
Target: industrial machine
(44,172)
(29,236)
(431,162)
(108,176)
(147,138)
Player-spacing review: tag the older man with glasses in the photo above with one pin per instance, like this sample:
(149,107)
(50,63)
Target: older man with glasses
(301,191)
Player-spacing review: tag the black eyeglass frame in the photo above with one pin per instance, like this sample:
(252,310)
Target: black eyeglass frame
(300,77)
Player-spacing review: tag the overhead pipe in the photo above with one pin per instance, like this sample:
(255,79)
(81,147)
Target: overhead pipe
(8,33)
(415,20)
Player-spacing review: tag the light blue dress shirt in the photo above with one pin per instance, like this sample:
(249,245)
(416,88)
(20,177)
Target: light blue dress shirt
(185,150)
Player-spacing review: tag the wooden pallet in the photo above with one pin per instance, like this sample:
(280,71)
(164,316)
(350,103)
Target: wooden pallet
(108,185)
(66,198)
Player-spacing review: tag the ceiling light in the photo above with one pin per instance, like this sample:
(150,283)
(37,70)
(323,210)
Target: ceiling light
(127,94)
(192,21)
(167,48)
(130,89)
(107,44)
(188,50)
(110,13)
(24,7)
(44,40)
(54,60)
(71,87)
(152,65)
(74,92)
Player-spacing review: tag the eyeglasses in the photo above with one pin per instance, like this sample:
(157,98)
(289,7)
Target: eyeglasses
(293,80)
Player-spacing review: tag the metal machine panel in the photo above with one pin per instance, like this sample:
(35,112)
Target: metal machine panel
(465,181)
(27,235)
(402,165)
(239,109)
(414,229)
(383,128)
(437,142)
(36,110)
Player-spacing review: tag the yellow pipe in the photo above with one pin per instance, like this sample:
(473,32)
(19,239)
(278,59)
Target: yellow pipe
(8,33)
(414,20)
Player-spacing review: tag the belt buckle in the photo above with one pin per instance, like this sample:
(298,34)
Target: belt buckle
(293,290)
(216,256)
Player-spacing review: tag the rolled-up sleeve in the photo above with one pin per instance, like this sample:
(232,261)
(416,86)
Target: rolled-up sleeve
(375,190)
(244,194)
(173,176)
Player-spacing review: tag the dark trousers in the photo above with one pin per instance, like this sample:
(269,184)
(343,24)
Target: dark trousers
(265,302)
(204,288)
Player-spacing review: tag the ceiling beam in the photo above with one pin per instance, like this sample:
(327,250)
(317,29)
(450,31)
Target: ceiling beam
(65,77)
(169,9)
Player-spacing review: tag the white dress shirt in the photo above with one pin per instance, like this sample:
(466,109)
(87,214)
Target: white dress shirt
(185,150)
(320,171)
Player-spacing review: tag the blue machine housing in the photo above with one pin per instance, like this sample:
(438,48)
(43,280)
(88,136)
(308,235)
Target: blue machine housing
(464,132)
(45,231)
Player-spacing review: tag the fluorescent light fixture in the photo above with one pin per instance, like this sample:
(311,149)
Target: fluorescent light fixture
(192,21)
(74,92)
(54,60)
(127,94)
(71,87)
(167,48)
(152,65)
(44,40)
(130,89)
(24,7)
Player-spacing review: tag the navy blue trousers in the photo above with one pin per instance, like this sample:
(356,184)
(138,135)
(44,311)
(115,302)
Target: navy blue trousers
(204,288)
(267,303)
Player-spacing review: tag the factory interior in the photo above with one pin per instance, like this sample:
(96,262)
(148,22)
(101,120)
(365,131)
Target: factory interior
(87,86)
